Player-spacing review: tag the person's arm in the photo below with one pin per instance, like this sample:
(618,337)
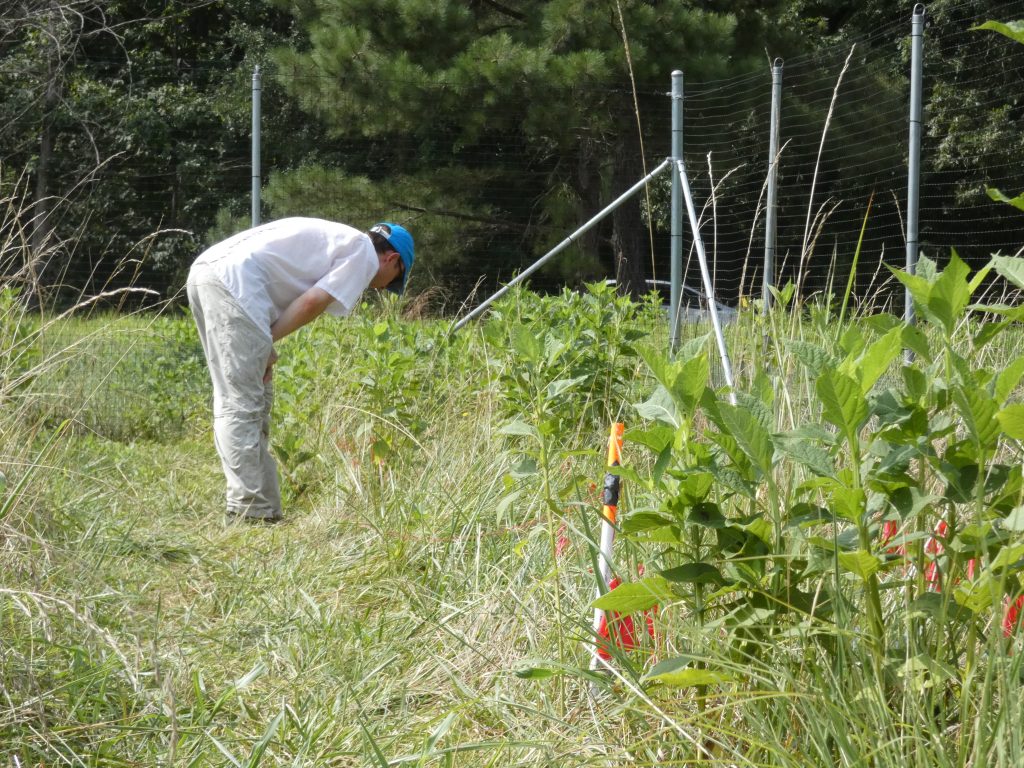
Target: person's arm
(305,308)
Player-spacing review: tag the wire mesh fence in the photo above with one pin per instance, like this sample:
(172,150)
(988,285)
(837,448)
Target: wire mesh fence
(489,180)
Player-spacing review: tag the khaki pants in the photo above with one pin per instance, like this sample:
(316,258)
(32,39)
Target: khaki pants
(236,352)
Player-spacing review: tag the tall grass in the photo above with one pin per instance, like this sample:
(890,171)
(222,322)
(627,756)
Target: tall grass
(428,600)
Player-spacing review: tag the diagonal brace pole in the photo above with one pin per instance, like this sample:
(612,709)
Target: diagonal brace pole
(562,245)
(709,290)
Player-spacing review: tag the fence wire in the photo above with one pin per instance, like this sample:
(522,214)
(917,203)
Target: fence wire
(486,200)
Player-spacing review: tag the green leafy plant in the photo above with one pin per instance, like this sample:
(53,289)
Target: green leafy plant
(767,532)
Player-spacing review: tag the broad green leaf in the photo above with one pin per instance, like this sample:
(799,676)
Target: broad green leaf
(636,596)
(526,344)
(758,408)
(626,473)
(920,289)
(695,573)
(639,522)
(760,528)
(878,357)
(694,347)
(1015,520)
(690,382)
(520,428)
(848,503)
(909,501)
(749,434)
(553,348)
(694,487)
(816,359)
(852,342)
(881,323)
(1017,202)
(1014,313)
(809,455)
(927,269)
(1011,419)
(657,438)
(843,402)
(556,388)
(988,331)
(1013,29)
(662,463)
(1009,557)
(1008,379)
(1010,268)
(662,369)
(741,462)
(748,616)
(803,514)
(660,407)
(861,563)
(525,468)
(950,293)
(507,501)
(979,595)
(786,294)
(706,515)
(979,413)
(979,278)
(914,339)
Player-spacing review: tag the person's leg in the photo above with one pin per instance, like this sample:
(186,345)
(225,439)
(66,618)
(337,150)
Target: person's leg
(236,352)
(271,486)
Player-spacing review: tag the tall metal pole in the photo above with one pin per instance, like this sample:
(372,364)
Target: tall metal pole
(676,252)
(914,153)
(770,218)
(256,177)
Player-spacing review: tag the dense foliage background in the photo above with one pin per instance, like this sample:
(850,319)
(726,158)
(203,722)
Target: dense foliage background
(496,128)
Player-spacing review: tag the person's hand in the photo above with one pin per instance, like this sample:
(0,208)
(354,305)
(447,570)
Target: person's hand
(269,373)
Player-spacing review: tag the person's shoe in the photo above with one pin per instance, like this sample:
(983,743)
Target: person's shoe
(251,518)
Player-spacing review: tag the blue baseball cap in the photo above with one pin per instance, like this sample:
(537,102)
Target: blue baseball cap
(398,237)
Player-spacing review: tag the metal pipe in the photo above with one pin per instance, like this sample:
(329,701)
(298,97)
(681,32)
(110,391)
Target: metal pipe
(709,290)
(914,152)
(257,89)
(676,240)
(562,245)
(770,218)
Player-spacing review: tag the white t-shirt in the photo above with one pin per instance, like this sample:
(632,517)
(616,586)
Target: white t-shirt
(267,267)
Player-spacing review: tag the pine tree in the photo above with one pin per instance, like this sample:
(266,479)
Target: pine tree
(542,88)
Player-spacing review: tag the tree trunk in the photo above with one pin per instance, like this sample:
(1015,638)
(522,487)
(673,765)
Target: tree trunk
(588,179)
(42,203)
(628,230)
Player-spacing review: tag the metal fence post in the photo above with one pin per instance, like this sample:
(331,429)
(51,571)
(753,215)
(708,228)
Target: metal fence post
(914,152)
(770,218)
(676,239)
(256,177)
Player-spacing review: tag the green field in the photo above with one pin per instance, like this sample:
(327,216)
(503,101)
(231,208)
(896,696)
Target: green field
(428,599)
